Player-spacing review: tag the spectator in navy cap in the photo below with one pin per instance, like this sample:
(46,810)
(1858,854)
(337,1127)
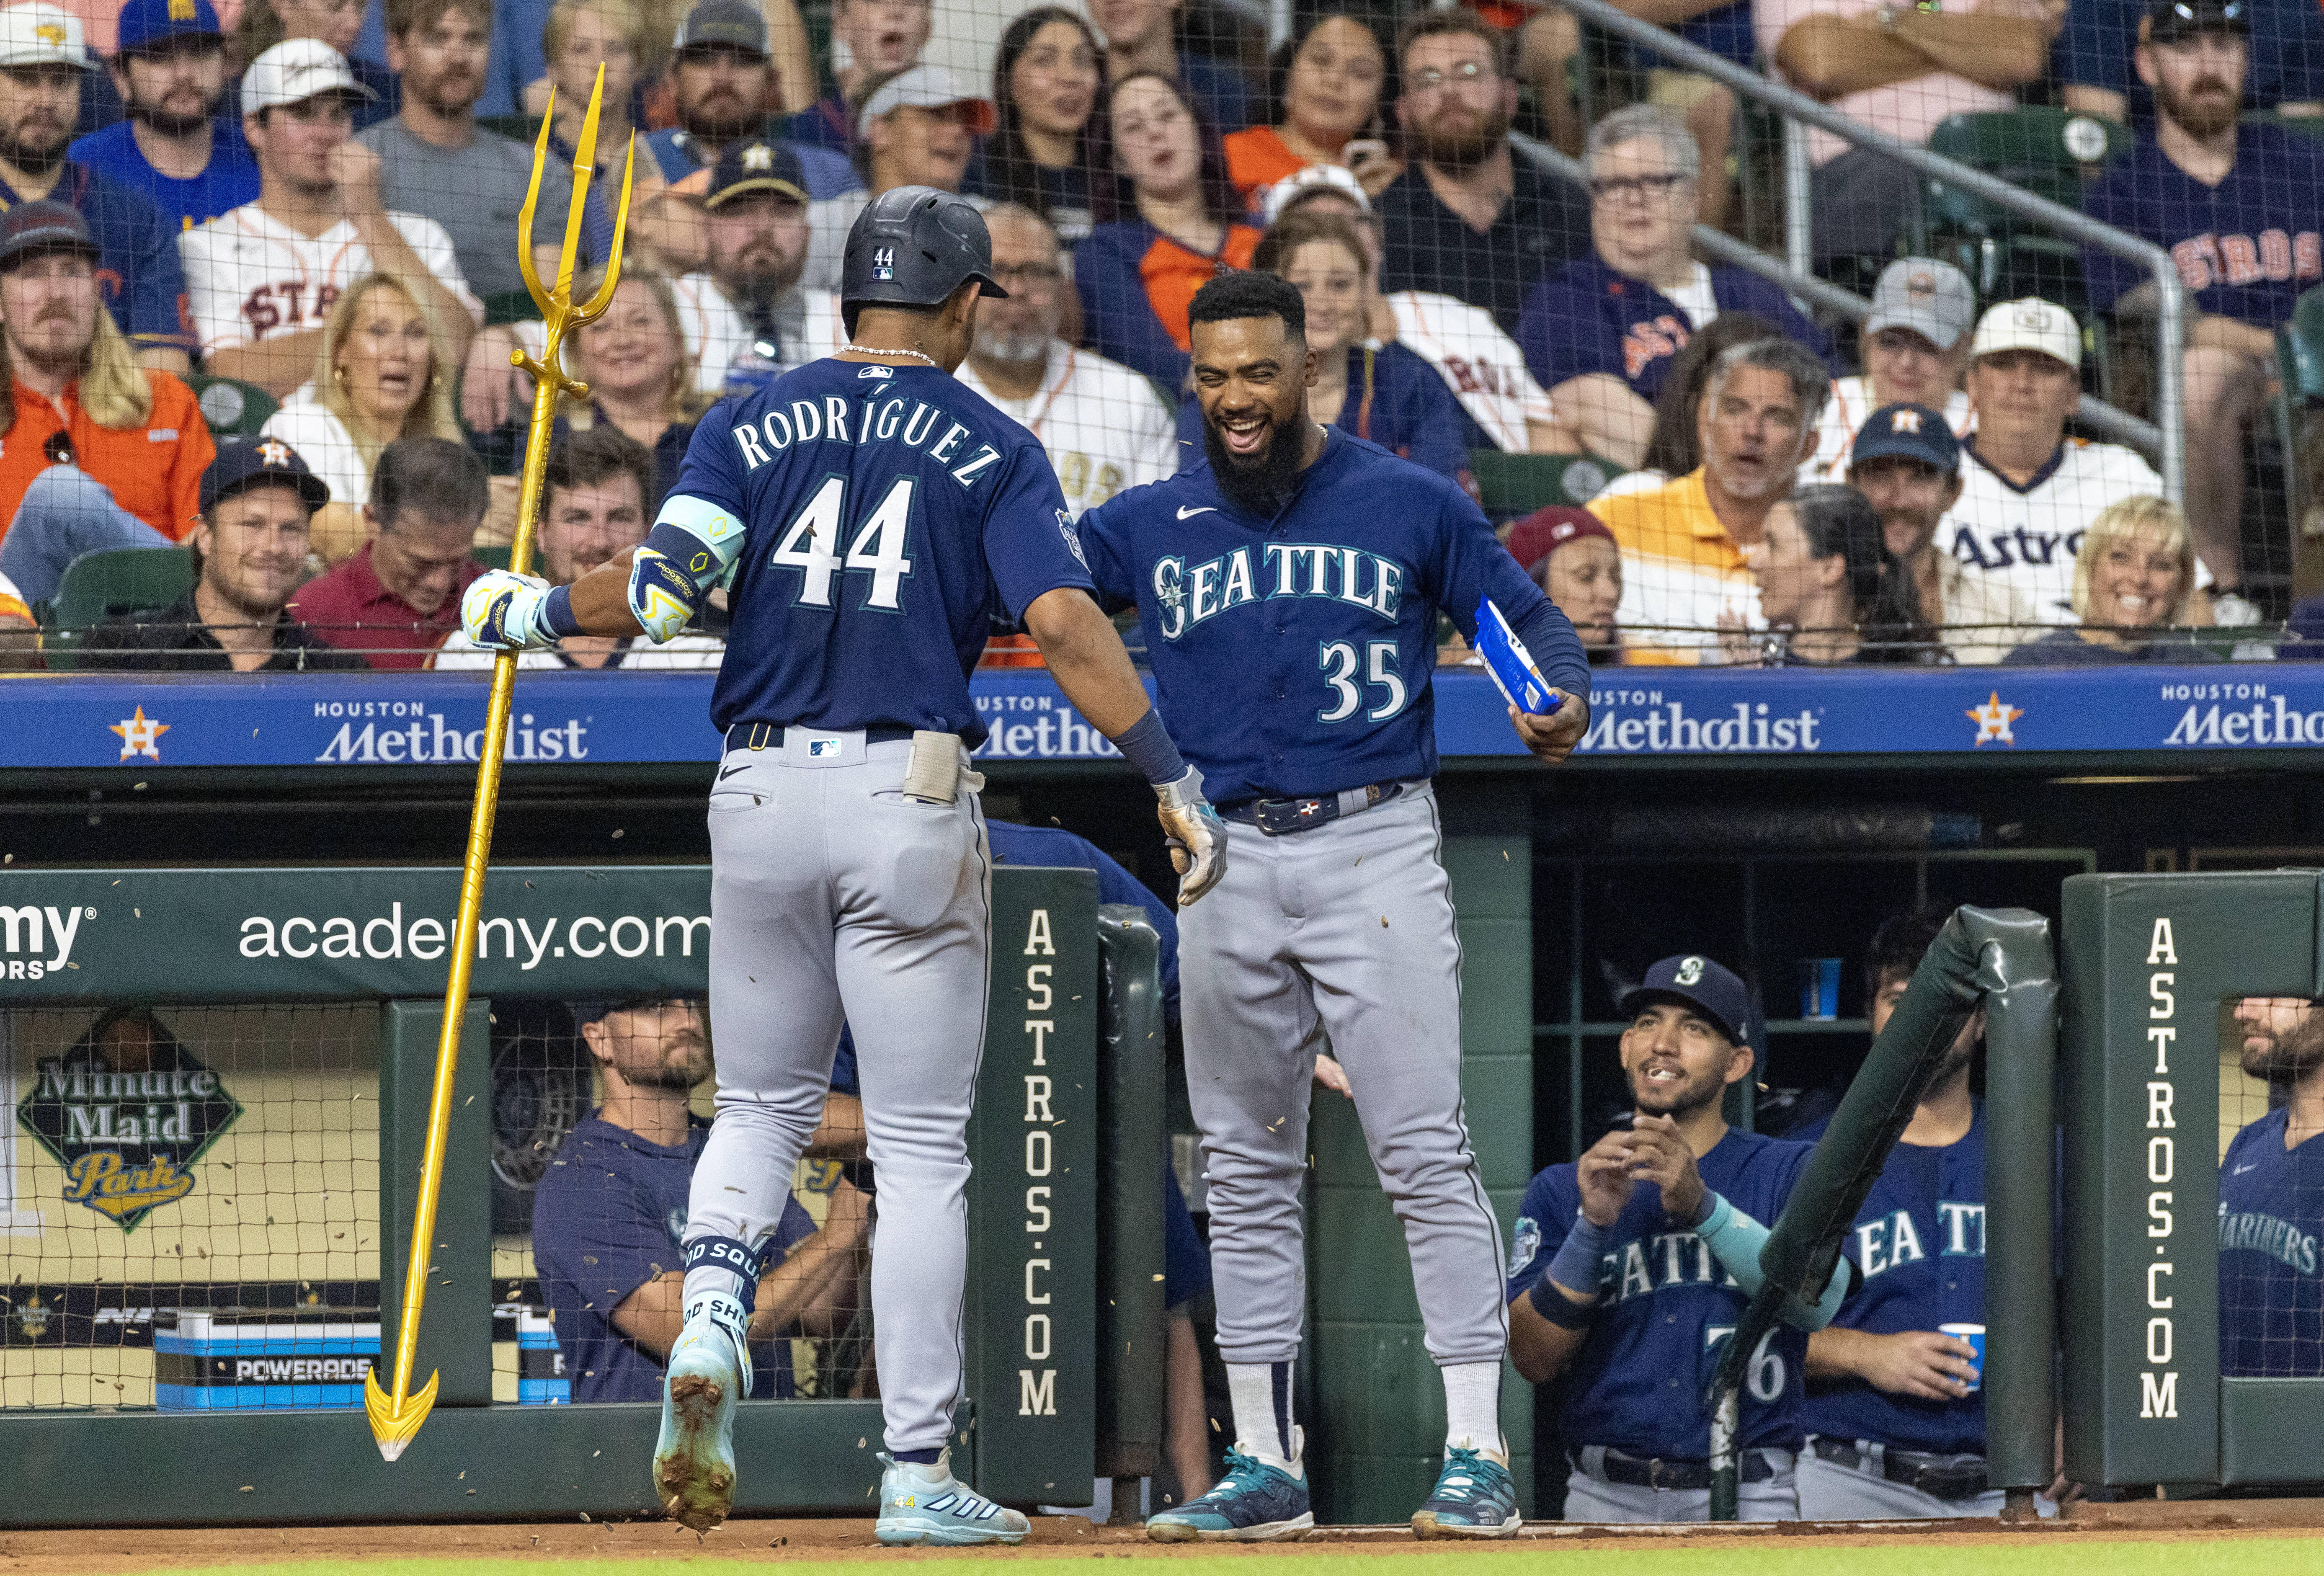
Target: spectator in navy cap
(250,553)
(1906,461)
(174,147)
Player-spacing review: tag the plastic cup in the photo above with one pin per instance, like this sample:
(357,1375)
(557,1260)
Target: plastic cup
(1975,1335)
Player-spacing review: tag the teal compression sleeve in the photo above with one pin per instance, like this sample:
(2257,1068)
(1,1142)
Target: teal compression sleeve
(1735,1238)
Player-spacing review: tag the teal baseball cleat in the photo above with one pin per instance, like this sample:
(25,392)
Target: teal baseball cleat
(1254,1502)
(1475,1497)
(694,1459)
(920,1505)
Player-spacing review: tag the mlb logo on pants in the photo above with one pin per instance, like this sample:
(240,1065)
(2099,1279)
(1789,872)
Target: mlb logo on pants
(820,747)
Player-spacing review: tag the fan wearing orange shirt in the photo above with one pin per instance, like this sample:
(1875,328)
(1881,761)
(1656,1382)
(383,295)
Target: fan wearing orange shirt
(1326,87)
(95,450)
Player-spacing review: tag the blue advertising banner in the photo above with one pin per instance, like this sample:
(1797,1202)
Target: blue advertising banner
(432,719)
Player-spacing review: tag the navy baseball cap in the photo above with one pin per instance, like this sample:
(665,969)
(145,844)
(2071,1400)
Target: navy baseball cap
(761,164)
(146,23)
(2170,21)
(1693,981)
(727,24)
(584,1012)
(44,226)
(1914,432)
(241,465)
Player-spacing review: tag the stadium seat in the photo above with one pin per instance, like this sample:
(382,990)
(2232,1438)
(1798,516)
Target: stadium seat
(2050,153)
(101,585)
(231,408)
(1510,485)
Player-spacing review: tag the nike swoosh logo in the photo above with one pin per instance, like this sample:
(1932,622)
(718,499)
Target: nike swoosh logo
(731,771)
(2239,1170)
(1186,513)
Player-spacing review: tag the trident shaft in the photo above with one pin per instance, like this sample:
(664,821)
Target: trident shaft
(397,1413)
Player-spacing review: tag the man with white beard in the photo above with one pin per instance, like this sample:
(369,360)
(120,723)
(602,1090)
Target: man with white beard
(1106,428)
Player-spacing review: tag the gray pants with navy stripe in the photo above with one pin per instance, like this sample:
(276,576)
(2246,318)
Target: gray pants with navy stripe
(1351,925)
(1589,1497)
(836,900)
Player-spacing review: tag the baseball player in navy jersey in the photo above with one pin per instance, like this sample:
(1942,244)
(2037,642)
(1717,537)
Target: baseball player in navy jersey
(1633,1264)
(1894,1420)
(873,510)
(2271,1201)
(1289,588)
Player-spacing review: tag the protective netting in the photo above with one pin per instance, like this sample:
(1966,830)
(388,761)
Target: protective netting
(1492,221)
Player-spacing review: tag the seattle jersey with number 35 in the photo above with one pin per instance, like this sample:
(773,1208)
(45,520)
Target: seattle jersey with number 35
(1293,656)
(875,517)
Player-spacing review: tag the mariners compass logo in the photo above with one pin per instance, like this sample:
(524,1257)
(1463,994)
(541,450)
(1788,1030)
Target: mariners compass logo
(126,1111)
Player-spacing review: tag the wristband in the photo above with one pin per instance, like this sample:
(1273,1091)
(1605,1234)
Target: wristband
(555,616)
(1147,746)
(1575,1264)
(1558,1308)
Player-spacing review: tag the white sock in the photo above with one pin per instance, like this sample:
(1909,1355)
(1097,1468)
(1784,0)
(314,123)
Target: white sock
(1262,1393)
(1472,1408)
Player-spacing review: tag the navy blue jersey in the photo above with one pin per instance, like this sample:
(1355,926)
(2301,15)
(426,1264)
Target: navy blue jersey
(1919,1244)
(874,515)
(1056,847)
(1640,1381)
(1293,657)
(226,182)
(2271,1212)
(608,1219)
(1587,318)
(2245,248)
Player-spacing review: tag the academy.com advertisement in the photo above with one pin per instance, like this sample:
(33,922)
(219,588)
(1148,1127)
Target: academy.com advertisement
(583,720)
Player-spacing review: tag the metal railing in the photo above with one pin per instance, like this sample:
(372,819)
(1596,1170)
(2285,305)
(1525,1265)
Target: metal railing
(2107,420)
(2171,305)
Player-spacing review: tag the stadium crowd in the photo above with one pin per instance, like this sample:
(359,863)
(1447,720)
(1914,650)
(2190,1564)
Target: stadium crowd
(288,227)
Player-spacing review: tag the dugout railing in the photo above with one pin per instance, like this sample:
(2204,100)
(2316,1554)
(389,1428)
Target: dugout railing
(1063,1324)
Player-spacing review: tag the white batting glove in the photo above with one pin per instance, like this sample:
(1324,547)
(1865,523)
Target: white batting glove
(501,611)
(1196,837)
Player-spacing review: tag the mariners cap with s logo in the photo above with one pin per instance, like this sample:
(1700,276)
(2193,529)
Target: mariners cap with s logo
(1693,981)
(1915,432)
(42,34)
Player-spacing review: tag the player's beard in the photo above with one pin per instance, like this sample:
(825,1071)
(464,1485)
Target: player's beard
(2289,1055)
(2210,106)
(1259,485)
(672,1078)
(1461,151)
(1682,1099)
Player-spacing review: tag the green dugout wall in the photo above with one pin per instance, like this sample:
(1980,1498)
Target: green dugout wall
(1040,1345)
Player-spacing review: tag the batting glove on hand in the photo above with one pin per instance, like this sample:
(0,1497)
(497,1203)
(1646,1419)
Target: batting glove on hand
(1196,837)
(501,611)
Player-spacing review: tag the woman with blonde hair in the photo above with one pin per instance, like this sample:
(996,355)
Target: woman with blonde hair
(382,374)
(2134,580)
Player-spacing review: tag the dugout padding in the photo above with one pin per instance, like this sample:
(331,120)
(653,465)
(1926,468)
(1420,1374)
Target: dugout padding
(2149,960)
(352,960)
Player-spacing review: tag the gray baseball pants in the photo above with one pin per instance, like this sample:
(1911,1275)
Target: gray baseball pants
(1589,1498)
(836,900)
(1351,925)
(1831,1492)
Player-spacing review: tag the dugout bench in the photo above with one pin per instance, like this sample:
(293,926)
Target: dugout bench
(1066,1329)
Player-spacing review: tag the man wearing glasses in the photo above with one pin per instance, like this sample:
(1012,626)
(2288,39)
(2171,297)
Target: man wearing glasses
(1105,428)
(1466,218)
(1600,335)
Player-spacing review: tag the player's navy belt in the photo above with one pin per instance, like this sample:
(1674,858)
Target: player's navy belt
(1940,1477)
(768,736)
(1609,1465)
(1282,817)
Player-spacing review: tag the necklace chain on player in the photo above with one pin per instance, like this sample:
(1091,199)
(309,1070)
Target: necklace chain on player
(872,350)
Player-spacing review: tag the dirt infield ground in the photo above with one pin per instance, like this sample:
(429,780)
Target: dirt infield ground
(2197,1538)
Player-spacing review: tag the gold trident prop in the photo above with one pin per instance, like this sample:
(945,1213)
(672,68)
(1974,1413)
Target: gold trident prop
(396,1417)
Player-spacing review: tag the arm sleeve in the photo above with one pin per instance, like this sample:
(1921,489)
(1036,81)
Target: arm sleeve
(1735,1239)
(1031,541)
(1475,566)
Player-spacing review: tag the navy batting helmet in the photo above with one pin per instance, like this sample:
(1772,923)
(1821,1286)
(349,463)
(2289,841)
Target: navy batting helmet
(912,247)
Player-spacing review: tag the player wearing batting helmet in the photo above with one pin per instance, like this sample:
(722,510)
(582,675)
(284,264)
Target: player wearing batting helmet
(871,509)
(1895,1426)
(1632,1265)
(1290,588)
